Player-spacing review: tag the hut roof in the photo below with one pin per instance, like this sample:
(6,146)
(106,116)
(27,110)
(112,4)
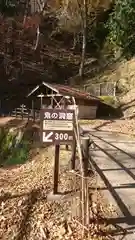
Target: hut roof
(65,90)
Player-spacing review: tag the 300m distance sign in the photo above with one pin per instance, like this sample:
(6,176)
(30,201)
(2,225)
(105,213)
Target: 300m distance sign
(57,126)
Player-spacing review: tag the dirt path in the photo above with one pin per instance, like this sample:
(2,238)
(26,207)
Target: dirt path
(12,122)
(5,120)
(114,160)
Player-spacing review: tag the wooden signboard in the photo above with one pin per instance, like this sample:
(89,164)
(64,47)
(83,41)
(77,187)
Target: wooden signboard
(57,126)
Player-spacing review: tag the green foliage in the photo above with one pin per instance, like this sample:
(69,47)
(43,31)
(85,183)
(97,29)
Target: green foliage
(9,153)
(96,35)
(121,25)
(19,155)
(110,100)
(6,143)
(3,133)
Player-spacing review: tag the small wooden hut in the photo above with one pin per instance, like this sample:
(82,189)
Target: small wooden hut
(55,95)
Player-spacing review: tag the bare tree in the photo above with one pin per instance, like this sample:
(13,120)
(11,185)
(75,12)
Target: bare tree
(84,35)
(73,17)
(37,10)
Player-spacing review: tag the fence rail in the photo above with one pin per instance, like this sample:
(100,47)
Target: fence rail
(26,113)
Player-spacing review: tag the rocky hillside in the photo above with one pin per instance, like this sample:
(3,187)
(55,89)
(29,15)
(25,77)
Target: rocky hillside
(122,73)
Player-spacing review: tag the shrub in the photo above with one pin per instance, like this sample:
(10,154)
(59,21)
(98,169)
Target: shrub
(121,26)
(19,155)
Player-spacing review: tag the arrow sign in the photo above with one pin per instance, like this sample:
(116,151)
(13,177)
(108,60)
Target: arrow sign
(46,137)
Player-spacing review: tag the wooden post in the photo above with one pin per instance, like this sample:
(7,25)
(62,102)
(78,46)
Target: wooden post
(22,112)
(28,115)
(56,169)
(52,101)
(41,99)
(85,154)
(34,115)
(73,157)
(65,107)
(33,109)
(66,147)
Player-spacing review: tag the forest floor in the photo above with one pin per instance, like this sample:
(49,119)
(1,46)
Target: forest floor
(125,126)
(26,212)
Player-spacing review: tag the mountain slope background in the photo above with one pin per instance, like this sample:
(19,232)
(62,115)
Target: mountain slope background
(56,56)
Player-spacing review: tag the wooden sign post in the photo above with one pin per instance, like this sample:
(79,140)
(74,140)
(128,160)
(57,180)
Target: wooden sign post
(57,127)
(56,169)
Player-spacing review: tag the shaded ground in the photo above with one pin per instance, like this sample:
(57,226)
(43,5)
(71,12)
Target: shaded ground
(25,212)
(125,126)
(11,122)
(5,120)
(24,209)
(114,160)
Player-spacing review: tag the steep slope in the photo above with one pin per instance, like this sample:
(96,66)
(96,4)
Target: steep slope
(122,72)
(22,67)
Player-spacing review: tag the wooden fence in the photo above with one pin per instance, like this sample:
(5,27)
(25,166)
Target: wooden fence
(24,113)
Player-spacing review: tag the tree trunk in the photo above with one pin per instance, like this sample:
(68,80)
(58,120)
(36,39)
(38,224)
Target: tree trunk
(84,40)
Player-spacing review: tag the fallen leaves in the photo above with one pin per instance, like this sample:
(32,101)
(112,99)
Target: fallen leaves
(25,212)
(125,126)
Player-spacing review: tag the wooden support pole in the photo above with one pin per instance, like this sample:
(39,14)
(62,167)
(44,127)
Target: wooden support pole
(52,101)
(28,115)
(22,114)
(34,115)
(73,157)
(56,169)
(33,109)
(85,154)
(67,147)
(65,107)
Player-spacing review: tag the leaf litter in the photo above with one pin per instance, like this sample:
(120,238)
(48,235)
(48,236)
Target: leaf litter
(25,213)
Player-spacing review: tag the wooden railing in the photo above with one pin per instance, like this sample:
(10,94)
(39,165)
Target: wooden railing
(24,113)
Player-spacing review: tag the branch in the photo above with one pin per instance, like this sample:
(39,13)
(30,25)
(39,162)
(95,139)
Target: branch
(37,39)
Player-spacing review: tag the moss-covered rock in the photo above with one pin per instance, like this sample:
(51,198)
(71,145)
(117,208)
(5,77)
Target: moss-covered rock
(19,155)
(14,148)
(110,100)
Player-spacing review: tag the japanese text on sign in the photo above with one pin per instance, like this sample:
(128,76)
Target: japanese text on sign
(57,125)
(58,115)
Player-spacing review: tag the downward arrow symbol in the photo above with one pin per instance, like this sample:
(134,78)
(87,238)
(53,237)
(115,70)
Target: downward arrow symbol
(46,137)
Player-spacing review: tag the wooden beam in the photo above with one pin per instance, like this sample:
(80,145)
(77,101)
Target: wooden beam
(50,86)
(53,95)
(34,90)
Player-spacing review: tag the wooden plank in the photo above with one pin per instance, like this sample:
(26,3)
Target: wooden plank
(21,109)
(20,113)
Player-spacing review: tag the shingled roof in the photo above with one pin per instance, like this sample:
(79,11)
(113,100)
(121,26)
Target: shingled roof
(65,91)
